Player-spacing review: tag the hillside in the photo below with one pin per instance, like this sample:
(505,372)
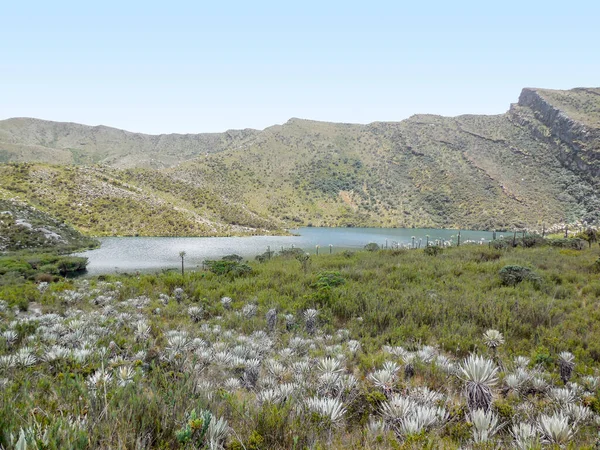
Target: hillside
(24,227)
(25,140)
(538,163)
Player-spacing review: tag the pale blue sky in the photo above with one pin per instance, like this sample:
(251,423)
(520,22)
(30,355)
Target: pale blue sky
(189,67)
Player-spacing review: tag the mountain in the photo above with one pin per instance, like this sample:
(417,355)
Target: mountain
(537,163)
(25,139)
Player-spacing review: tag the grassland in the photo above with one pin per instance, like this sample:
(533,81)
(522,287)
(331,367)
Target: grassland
(353,350)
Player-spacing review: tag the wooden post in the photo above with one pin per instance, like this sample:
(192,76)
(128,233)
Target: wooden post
(458,239)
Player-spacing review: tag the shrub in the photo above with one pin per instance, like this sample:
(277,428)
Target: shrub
(596,266)
(372,247)
(433,250)
(232,268)
(573,243)
(513,275)
(329,279)
(233,257)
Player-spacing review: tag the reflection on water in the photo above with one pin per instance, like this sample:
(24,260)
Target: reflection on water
(130,254)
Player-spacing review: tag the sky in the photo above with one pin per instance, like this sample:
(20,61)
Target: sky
(191,67)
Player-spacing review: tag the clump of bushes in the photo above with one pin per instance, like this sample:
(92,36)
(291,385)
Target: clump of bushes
(514,274)
(22,267)
(372,247)
(572,243)
(225,267)
(433,250)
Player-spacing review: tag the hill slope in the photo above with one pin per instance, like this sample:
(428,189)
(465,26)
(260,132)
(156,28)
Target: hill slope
(539,162)
(25,140)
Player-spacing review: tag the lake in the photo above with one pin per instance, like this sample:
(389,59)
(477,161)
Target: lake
(130,254)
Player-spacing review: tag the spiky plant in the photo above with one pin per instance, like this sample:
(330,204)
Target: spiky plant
(99,380)
(425,396)
(539,385)
(142,331)
(226,302)
(179,294)
(232,384)
(525,436)
(376,427)
(290,321)
(251,373)
(578,414)
(196,313)
(493,339)
(249,310)
(485,425)
(521,362)
(125,375)
(566,364)
(310,320)
(330,365)
(331,409)
(409,368)
(10,337)
(396,408)
(555,429)
(383,379)
(218,431)
(591,383)
(271,318)
(480,375)
(562,396)
(353,346)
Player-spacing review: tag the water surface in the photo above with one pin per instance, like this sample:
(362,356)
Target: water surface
(130,254)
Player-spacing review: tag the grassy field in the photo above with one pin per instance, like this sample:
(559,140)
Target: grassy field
(353,350)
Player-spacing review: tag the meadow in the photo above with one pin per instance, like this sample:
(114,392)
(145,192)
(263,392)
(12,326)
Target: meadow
(468,347)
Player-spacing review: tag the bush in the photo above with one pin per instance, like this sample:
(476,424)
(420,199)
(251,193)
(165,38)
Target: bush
(329,279)
(71,264)
(573,243)
(513,275)
(372,247)
(234,257)
(232,268)
(433,250)
(290,253)
(596,266)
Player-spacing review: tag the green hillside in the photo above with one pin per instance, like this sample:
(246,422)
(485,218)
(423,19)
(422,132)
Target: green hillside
(538,163)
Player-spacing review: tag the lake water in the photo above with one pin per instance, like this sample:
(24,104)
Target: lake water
(130,254)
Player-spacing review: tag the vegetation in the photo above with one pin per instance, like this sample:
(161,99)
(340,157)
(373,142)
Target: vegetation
(382,349)
(23,227)
(22,266)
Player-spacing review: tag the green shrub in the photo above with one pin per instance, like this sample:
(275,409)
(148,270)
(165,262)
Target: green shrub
(513,275)
(372,247)
(329,279)
(232,268)
(433,250)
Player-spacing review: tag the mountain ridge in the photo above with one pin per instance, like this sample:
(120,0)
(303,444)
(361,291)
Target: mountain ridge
(537,163)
